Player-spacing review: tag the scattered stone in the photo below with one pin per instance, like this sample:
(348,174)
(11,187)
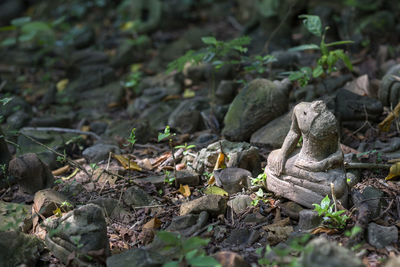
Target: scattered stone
(82,231)
(14,216)
(277,234)
(157,180)
(112,209)
(323,252)
(372,197)
(273,133)
(204,139)
(230,259)
(187,177)
(99,152)
(262,101)
(255,218)
(136,257)
(233,180)
(19,249)
(238,237)
(130,51)
(226,92)
(30,173)
(60,120)
(291,209)
(213,204)
(186,117)
(18,120)
(381,236)
(83,37)
(188,224)
(15,104)
(157,114)
(241,155)
(240,203)
(98,127)
(135,196)
(309,219)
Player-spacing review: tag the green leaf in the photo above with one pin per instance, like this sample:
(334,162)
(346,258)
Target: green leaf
(168,238)
(313,24)
(194,243)
(346,60)
(203,261)
(304,47)
(295,75)
(191,254)
(18,22)
(318,71)
(7,28)
(210,40)
(162,136)
(325,203)
(340,43)
(8,42)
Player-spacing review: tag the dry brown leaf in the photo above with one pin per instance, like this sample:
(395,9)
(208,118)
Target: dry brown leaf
(394,171)
(127,163)
(384,126)
(61,170)
(161,159)
(180,166)
(154,223)
(184,190)
(320,230)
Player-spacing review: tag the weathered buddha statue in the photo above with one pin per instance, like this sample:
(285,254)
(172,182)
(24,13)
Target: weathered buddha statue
(305,175)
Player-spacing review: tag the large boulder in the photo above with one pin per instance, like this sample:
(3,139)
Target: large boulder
(255,105)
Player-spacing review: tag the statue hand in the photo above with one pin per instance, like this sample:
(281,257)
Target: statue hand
(276,162)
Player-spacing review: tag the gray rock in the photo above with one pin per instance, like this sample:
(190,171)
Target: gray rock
(87,57)
(213,204)
(30,173)
(130,51)
(374,201)
(187,177)
(18,119)
(323,252)
(98,127)
(226,92)
(205,139)
(14,105)
(186,117)
(309,219)
(134,196)
(99,152)
(273,133)
(241,155)
(238,237)
(19,249)
(101,98)
(136,257)
(82,230)
(112,209)
(122,128)
(46,201)
(351,108)
(149,97)
(82,36)
(240,203)
(157,180)
(381,236)
(255,218)
(291,209)
(285,59)
(157,115)
(53,120)
(233,180)
(188,224)
(262,101)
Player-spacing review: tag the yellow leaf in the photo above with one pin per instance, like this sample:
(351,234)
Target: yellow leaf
(394,171)
(215,190)
(62,84)
(185,190)
(384,126)
(135,67)
(128,25)
(220,164)
(71,175)
(57,212)
(211,181)
(152,224)
(189,93)
(126,163)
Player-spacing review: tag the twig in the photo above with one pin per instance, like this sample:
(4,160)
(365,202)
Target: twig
(122,177)
(151,206)
(60,130)
(333,196)
(71,162)
(204,228)
(386,210)
(265,49)
(355,165)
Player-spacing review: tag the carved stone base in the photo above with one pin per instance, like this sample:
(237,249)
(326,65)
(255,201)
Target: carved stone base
(296,193)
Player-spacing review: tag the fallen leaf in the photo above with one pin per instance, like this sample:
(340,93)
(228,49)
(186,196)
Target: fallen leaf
(57,212)
(127,163)
(215,190)
(154,223)
(394,171)
(145,164)
(320,230)
(180,166)
(189,93)
(71,175)
(384,126)
(62,84)
(100,176)
(61,170)
(211,181)
(219,164)
(184,190)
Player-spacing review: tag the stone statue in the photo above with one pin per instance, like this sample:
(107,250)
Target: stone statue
(305,176)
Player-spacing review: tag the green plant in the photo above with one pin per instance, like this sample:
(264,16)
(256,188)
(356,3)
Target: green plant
(257,63)
(260,179)
(27,31)
(168,178)
(62,159)
(133,79)
(259,196)
(328,59)
(332,218)
(287,256)
(185,147)
(189,252)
